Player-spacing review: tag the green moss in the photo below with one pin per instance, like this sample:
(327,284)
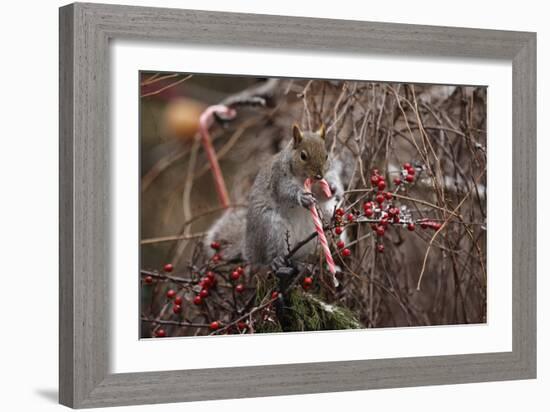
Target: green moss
(306,312)
(302,311)
(268,327)
(264,287)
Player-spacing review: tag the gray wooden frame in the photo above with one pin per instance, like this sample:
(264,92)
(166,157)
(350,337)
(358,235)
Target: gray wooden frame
(85,31)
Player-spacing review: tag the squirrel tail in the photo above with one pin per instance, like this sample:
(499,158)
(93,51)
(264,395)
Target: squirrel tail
(229,231)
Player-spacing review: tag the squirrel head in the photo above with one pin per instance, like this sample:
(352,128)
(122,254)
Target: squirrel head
(309,155)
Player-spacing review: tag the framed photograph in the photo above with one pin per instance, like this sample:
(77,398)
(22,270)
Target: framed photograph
(258,205)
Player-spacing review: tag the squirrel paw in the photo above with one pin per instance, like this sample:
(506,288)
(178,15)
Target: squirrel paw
(284,270)
(306,199)
(278,263)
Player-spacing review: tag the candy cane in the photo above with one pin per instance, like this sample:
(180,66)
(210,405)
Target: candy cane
(205,121)
(319,226)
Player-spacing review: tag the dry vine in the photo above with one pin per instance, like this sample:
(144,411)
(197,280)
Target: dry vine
(413,211)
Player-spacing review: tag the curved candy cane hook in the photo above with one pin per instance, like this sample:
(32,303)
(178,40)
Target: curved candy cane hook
(319,226)
(205,121)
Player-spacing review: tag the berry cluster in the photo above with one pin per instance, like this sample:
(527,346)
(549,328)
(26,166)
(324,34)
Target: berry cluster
(206,283)
(217,256)
(429,224)
(178,300)
(167,268)
(338,230)
(380,210)
(235,276)
(408,172)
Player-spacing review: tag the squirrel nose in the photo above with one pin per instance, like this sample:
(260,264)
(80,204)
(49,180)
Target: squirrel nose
(318,177)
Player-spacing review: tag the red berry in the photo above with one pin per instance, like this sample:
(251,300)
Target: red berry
(197,300)
(274,294)
(307,282)
(368,205)
(340,244)
(215,325)
(397,181)
(178,300)
(411,171)
(171,293)
(396,219)
(411,226)
(388,195)
(346,252)
(176,308)
(409,178)
(168,267)
(340,212)
(384,222)
(380,198)
(368,212)
(381,185)
(239,288)
(351,217)
(206,283)
(380,230)
(160,333)
(148,279)
(204,293)
(240,270)
(216,258)
(210,275)
(215,245)
(338,230)
(436,226)
(407,166)
(242,325)
(380,248)
(374,180)
(235,275)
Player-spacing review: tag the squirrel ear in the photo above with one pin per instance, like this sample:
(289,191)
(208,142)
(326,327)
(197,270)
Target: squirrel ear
(296,134)
(321,131)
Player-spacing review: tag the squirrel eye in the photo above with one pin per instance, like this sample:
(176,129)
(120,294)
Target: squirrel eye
(303,155)
(326,157)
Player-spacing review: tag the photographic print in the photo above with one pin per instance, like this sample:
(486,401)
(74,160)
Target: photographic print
(272,205)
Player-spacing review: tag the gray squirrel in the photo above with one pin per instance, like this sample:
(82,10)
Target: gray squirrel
(277,216)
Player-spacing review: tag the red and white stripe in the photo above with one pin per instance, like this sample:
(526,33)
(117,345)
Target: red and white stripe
(319,226)
(205,121)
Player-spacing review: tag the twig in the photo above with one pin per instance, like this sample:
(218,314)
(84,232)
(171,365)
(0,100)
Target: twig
(167,87)
(243,317)
(443,225)
(172,238)
(175,323)
(163,276)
